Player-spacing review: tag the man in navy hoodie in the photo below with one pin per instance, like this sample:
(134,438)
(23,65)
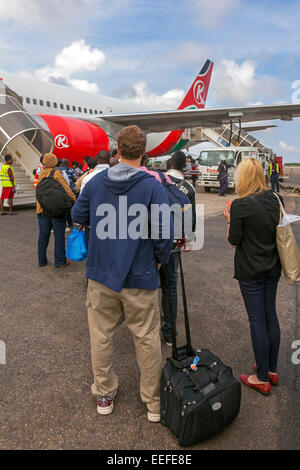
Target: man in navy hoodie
(127,245)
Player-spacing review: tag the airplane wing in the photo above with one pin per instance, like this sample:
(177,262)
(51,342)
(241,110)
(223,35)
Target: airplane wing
(160,121)
(250,129)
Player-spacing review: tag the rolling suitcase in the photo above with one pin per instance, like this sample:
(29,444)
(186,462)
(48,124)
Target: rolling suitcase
(199,394)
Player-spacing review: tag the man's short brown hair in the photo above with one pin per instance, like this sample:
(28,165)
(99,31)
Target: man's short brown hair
(132,142)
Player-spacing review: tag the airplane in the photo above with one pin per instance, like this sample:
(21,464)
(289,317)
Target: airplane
(84,123)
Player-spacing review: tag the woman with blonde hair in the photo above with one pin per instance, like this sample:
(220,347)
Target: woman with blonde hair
(252,222)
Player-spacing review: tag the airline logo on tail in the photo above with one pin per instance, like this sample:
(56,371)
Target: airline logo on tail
(199,89)
(197,94)
(194,99)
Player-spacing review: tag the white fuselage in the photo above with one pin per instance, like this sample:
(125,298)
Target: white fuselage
(48,98)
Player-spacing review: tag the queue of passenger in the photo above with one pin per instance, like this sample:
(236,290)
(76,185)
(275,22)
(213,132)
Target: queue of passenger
(124,273)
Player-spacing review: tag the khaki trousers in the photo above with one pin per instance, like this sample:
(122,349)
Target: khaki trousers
(140,307)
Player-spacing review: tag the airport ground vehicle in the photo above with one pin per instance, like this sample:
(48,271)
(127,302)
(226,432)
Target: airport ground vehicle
(209,161)
(280,163)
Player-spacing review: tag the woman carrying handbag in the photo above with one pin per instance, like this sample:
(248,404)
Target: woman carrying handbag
(252,222)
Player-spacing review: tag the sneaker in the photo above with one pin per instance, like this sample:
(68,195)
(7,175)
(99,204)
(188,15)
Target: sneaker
(153,417)
(105,405)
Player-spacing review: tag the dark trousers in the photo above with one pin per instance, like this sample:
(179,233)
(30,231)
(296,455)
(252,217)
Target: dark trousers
(223,184)
(168,283)
(59,226)
(275,183)
(260,302)
(194,179)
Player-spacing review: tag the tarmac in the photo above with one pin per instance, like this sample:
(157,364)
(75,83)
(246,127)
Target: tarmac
(45,399)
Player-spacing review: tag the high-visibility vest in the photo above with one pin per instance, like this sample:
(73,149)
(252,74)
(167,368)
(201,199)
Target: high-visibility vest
(36,176)
(4,176)
(194,170)
(271,168)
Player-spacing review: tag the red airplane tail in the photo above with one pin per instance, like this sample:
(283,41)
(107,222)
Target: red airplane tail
(197,94)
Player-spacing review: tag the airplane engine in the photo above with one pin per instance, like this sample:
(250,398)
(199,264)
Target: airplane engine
(74,139)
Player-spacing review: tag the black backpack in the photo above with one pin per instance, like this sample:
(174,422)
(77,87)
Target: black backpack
(52,197)
(177,197)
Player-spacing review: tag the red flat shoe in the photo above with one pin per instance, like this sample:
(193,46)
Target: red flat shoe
(274,378)
(264,388)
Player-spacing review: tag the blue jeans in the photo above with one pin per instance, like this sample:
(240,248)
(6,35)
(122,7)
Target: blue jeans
(260,302)
(169,277)
(59,227)
(275,183)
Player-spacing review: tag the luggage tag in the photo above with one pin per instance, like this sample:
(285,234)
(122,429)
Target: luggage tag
(195,362)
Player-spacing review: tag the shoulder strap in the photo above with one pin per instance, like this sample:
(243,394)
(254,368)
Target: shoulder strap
(282,209)
(161,175)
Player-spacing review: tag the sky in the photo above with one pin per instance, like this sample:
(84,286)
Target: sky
(149,51)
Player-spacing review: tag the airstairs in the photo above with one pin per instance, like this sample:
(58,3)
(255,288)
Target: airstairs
(221,136)
(24,138)
(25,192)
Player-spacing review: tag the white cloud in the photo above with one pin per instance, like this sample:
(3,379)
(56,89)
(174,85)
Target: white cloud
(287,148)
(140,94)
(76,58)
(210,13)
(238,83)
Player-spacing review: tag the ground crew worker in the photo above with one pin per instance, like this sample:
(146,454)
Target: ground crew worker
(223,176)
(38,172)
(7,178)
(274,172)
(194,172)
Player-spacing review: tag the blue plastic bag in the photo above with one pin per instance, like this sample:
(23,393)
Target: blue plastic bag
(76,246)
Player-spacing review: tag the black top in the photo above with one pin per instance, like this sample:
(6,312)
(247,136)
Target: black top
(253,224)
(223,168)
(188,190)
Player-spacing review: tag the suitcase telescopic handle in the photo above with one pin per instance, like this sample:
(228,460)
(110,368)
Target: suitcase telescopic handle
(185,311)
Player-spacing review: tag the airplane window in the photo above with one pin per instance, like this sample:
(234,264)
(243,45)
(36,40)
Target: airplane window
(96,112)
(61,106)
(41,103)
(34,101)
(48,104)
(74,108)
(79,109)
(91,111)
(68,107)
(28,100)
(85,110)
(100,112)
(55,105)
